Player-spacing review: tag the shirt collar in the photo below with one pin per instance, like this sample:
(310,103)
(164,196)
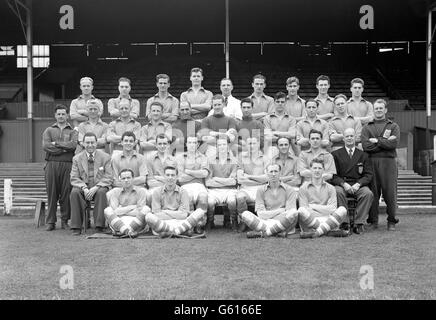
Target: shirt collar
(285,114)
(93,154)
(328,98)
(253,96)
(82,97)
(134,154)
(68,125)
(310,182)
(164,189)
(134,189)
(192,89)
(316,119)
(338,117)
(298,98)
(289,156)
(99,121)
(280,185)
(352,99)
(352,149)
(128,98)
(168,96)
(130,119)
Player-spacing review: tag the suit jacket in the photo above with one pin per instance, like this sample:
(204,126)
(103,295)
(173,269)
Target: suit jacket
(357,169)
(102,170)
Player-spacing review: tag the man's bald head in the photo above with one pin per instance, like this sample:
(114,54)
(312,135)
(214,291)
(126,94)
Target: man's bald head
(349,137)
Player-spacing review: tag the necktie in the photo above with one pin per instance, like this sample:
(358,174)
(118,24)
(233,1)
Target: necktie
(90,171)
(350,153)
(225,100)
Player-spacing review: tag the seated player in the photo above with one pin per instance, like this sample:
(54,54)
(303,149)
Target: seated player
(315,151)
(221,184)
(193,168)
(170,208)
(288,163)
(276,207)
(251,175)
(129,158)
(156,163)
(91,178)
(318,213)
(127,207)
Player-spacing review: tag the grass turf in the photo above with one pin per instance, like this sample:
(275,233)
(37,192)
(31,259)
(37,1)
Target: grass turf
(225,265)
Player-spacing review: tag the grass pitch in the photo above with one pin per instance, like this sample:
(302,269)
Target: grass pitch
(225,265)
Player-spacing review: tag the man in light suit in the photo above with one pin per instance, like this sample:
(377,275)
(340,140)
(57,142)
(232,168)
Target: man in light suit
(354,174)
(91,177)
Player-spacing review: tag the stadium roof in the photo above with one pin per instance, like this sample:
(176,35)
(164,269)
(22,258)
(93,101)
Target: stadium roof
(114,21)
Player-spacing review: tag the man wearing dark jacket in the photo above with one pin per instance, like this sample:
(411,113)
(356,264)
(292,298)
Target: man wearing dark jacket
(59,142)
(380,139)
(353,175)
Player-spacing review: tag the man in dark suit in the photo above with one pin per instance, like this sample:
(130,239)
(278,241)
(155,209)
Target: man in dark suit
(91,177)
(354,174)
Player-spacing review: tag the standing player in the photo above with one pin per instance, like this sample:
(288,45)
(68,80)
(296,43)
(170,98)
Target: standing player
(199,98)
(78,107)
(170,103)
(262,104)
(114,103)
(341,121)
(312,121)
(278,124)
(380,138)
(294,105)
(358,107)
(59,142)
(325,102)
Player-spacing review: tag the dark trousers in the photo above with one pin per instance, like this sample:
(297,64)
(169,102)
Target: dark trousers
(78,205)
(364,198)
(384,181)
(57,182)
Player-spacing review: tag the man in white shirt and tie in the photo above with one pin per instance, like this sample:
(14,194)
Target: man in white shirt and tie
(232,106)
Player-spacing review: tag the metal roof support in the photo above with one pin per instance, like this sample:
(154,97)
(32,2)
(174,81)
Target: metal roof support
(227,49)
(430,35)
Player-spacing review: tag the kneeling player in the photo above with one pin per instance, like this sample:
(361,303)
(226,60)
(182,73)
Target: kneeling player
(318,213)
(275,207)
(170,208)
(127,207)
